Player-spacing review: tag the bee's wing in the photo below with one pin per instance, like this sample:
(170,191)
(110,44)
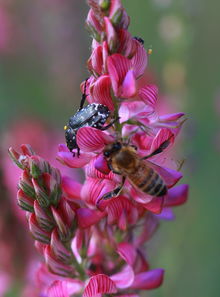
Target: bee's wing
(170,176)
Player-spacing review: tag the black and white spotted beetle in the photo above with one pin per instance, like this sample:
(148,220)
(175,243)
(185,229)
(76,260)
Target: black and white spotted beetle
(93,115)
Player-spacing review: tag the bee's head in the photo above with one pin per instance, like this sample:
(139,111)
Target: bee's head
(111,149)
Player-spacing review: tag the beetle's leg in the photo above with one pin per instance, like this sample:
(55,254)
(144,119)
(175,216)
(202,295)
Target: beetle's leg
(110,124)
(162,147)
(78,151)
(83,95)
(113,193)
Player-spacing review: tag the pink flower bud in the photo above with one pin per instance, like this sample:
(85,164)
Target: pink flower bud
(27,150)
(60,251)
(116,12)
(55,265)
(26,185)
(112,38)
(104,4)
(41,195)
(93,26)
(53,188)
(34,168)
(16,158)
(25,201)
(43,219)
(64,230)
(38,233)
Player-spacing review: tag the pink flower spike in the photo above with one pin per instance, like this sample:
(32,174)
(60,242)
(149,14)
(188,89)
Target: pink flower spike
(71,187)
(129,85)
(101,92)
(87,217)
(177,195)
(124,278)
(149,94)
(149,280)
(127,252)
(98,285)
(101,165)
(92,140)
(67,158)
(170,176)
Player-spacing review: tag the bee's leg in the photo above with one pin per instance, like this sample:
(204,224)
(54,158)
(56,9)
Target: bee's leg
(113,193)
(83,95)
(162,147)
(110,124)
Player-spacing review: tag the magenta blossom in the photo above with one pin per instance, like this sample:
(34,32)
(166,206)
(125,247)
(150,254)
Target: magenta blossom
(92,235)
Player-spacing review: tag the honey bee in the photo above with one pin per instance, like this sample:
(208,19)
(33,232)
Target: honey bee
(122,159)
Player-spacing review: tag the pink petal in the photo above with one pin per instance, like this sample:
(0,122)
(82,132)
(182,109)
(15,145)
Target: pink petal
(117,206)
(118,66)
(95,188)
(149,227)
(151,279)
(62,148)
(92,171)
(149,94)
(124,278)
(139,60)
(101,165)
(130,109)
(127,252)
(90,139)
(112,38)
(177,196)
(95,62)
(129,85)
(71,187)
(127,45)
(163,134)
(101,92)
(166,214)
(140,196)
(155,205)
(122,222)
(170,176)
(72,161)
(64,288)
(171,117)
(98,285)
(58,289)
(87,217)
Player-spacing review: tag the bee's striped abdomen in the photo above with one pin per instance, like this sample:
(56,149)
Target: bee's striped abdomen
(148,181)
(155,186)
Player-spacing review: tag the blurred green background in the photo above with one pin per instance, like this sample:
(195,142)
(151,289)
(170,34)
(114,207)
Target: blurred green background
(43,53)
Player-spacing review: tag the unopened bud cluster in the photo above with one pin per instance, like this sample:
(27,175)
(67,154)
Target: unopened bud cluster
(50,217)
